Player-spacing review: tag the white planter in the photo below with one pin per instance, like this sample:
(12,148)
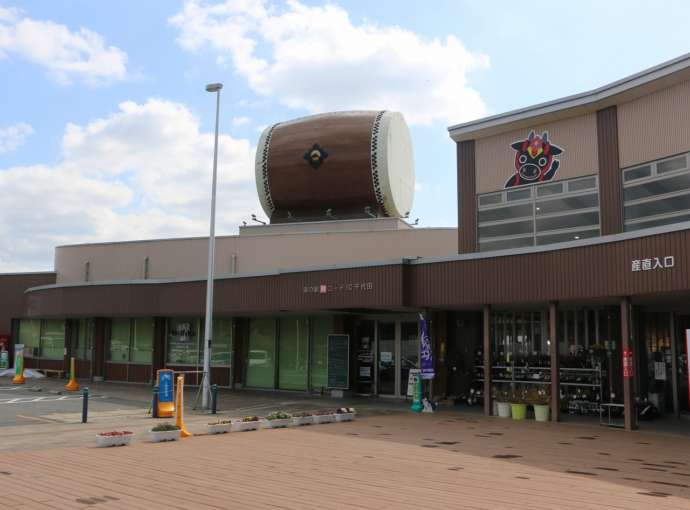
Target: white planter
(302,420)
(105,441)
(541,412)
(344,417)
(243,426)
(166,435)
(324,418)
(503,409)
(218,428)
(276,424)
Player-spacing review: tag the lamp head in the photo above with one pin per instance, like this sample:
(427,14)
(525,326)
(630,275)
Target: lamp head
(214,87)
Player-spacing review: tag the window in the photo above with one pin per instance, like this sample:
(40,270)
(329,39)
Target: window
(322,327)
(261,356)
(183,341)
(30,337)
(131,341)
(84,336)
(221,348)
(53,339)
(538,214)
(293,353)
(657,193)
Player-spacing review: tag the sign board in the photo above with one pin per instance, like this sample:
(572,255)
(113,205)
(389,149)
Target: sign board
(627,363)
(412,381)
(166,404)
(4,359)
(339,361)
(659,371)
(427,360)
(386,357)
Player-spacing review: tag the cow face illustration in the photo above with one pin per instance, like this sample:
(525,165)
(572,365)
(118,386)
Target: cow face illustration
(534,160)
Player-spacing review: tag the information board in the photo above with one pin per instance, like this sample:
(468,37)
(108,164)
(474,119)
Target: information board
(339,361)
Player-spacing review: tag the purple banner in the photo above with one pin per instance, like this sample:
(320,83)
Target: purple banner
(427,359)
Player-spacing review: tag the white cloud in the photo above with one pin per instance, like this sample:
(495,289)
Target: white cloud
(240,121)
(13,136)
(143,171)
(63,53)
(318,59)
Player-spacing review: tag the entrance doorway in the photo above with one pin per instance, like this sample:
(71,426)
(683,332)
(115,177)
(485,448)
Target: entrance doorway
(397,352)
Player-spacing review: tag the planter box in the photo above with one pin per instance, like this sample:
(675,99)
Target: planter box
(519,411)
(302,420)
(541,412)
(503,409)
(105,441)
(243,426)
(324,418)
(276,424)
(167,435)
(344,417)
(219,428)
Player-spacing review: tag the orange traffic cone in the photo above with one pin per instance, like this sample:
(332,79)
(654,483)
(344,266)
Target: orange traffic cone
(179,421)
(72,384)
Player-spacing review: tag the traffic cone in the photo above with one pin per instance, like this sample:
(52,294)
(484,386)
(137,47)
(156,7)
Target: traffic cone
(72,385)
(18,368)
(179,421)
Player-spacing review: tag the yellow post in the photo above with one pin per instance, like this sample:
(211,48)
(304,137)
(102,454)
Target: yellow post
(72,385)
(18,364)
(179,421)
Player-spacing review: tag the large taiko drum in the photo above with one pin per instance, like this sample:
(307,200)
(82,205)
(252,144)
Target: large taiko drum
(336,166)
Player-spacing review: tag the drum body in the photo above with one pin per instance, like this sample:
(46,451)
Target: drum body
(336,166)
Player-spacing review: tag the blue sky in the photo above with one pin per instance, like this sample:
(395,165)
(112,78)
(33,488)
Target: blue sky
(105,128)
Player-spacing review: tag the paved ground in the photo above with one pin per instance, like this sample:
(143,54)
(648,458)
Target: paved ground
(387,458)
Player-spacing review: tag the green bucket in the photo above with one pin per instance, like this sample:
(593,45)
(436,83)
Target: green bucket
(519,411)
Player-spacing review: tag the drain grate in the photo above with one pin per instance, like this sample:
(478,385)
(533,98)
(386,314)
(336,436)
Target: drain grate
(589,438)
(654,469)
(566,443)
(637,460)
(671,484)
(94,500)
(603,453)
(428,446)
(523,477)
(6,473)
(447,443)
(496,433)
(602,468)
(654,494)
(642,442)
(680,474)
(455,468)
(631,479)
(506,456)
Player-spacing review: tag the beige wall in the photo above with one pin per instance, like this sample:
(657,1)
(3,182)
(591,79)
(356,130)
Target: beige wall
(187,258)
(654,126)
(577,136)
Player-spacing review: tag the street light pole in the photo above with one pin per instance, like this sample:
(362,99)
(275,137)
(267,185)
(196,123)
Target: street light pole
(208,329)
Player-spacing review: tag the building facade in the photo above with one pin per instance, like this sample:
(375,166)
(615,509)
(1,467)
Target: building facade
(568,277)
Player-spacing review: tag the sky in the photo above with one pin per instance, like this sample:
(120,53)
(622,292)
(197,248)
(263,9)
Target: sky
(106,131)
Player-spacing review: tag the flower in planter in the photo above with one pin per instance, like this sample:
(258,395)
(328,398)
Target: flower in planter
(323,412)
(302,414)
(345,410)
(250,418)
(165,427)
(539,396)
(115,433)
(224,421)
(278,415)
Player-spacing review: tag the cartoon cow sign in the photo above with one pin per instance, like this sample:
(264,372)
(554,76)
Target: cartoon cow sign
(535,160)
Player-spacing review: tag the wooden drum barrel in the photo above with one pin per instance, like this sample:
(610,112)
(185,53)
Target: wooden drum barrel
(336,166)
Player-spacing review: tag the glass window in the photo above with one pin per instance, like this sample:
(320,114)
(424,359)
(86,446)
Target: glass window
(549,189)
(569,221)
(30,336)
(322,327)
(507,229)
(660,187)
(183,342)
(505,213)
(566,204)
(494,198)
(505,244)
(637,173)
(582,184)
(671,164)
(142,341)
(261,356)
(662,206)
(658,222)
(53,339)
(566,236)
(84,338)
(221,351)
(293,353)
(118,350)
(521,194)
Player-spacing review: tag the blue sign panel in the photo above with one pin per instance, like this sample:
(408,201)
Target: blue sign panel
(165,386)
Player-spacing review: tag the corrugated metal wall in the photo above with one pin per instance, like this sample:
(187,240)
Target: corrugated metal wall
(610,206)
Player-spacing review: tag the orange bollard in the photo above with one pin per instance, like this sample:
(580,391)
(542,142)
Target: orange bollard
(179,421)
(72,385)
(18,365)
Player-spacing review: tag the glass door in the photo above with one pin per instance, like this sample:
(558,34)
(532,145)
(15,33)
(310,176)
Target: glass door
(409,352)
(386,358)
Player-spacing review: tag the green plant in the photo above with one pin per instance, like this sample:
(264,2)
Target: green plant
(250,418)
(519,396)
(323,412)
(165,427)
(539,396)
(223,421)
(302,414)
(278,415)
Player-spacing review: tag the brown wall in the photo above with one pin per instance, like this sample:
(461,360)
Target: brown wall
(610,207)
(577,136)
(12,287)
(467,203)
(655,125)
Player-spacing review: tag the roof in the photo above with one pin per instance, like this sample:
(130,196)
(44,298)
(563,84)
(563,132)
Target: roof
(645,82)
